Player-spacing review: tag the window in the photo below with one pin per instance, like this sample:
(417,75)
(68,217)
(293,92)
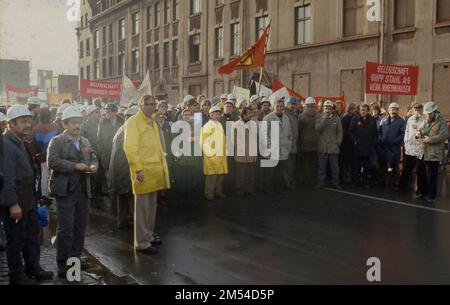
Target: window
(195,7)
(135,61)
(111,33)
(176,10)
(175,53)
(195,90)
(194,48)
(149,17)
(96,69)
(96,40)
(81,73)
(81,49)
(121,64)
(157,15)
(111,67)
(104,35)
(104,68)
(354,17)
(219,42)
(167,11)
(443,11)
(156,57)
(88,47)
(261,24)
(302,24)
(166,55)
(121,29)
(405,12)
(135,24)
(235,39)
(88,72)
(149,58)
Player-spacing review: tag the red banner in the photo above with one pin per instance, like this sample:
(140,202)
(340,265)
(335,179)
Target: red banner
(111,90)
(13,93)
(391,79)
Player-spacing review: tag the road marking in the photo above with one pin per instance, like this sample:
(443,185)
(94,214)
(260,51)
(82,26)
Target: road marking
(389,200)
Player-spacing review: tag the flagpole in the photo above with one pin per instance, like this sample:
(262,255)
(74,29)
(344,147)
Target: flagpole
(262,68)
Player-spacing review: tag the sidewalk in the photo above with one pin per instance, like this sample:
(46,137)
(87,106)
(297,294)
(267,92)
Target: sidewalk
(48,262)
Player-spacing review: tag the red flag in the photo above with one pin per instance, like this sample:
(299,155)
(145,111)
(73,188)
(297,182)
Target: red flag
(277,85)
(252,58)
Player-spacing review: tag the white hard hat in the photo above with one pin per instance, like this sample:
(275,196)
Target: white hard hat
(383,111)
(224,97)
(44,105)
(430,107)
(265,100)
(215,109)
(132,111)
(90,109)
(71,112)
(2,117)
(34,100)
(310,101)
(188,98)
(62,108)
(231,96)
(228,102)
(170,107)
(254,98)
(394,105)
(17,111)
(328,104)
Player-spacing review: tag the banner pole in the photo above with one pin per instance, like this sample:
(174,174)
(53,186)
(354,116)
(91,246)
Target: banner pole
(265,52)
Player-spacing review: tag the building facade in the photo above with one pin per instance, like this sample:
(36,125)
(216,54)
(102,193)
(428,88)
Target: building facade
(318,47)
(42,77)
(63,84)
(14,72)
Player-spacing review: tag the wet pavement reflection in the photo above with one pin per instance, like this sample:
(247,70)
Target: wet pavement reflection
(303,237)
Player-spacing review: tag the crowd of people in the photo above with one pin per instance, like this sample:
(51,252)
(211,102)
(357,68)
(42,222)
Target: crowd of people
(74,153)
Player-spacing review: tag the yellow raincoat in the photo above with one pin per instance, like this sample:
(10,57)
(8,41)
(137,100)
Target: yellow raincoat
(142,146)
(212,136)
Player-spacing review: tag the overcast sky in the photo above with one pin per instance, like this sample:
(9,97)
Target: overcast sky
(38,30)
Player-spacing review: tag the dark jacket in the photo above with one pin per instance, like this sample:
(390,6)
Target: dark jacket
(89,131)
(119,170)
(228,118)
(347,139)
(62,158)
(19,174)
(105,135)
(392,135)
(308,136)
(363,135)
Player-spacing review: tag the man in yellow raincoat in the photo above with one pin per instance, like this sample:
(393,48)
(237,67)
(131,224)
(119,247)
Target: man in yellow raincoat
(149,172)
(214,148)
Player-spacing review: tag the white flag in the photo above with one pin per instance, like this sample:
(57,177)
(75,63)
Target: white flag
(128,91)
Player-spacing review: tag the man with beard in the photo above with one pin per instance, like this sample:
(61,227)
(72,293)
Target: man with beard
(72,161)
(19,202)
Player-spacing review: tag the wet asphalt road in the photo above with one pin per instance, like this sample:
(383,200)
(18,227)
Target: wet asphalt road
(303,237)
